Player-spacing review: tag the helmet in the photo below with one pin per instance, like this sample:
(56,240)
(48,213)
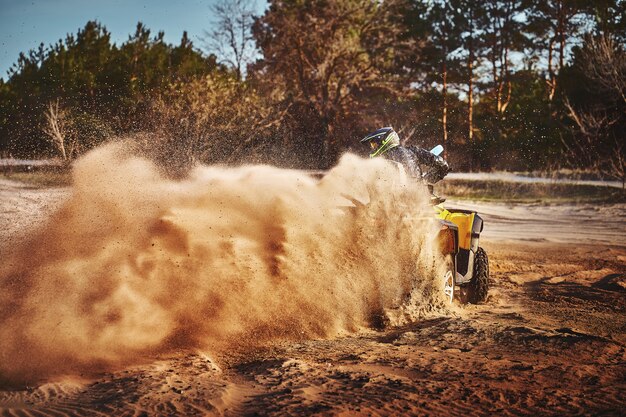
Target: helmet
(381,141)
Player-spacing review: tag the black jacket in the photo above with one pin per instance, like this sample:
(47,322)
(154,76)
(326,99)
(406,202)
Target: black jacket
(419,163)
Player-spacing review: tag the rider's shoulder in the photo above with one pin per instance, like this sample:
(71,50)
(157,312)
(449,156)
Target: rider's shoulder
(399,152)
(416,149)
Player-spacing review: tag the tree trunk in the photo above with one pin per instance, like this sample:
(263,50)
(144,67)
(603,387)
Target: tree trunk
(444,113)
(55,127)
(551,75)
(503,103)
(328,156)
(470,101)
(494,63)
(470,87)
(561,34)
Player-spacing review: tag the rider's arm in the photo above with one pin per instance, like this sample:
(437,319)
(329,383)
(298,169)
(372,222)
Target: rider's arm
(439,167)
(423,156)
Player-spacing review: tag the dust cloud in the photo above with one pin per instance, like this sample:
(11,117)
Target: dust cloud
(135,264)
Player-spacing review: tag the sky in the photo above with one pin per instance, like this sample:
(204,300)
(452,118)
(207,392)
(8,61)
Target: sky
(24,24)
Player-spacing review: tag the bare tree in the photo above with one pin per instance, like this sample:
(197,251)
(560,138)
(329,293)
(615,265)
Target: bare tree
(598,140)
(592,129)
(55,127)
(617,163)
(214,119)
(605,63)
(232,39)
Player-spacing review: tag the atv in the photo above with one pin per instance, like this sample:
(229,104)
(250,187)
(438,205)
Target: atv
(466,263)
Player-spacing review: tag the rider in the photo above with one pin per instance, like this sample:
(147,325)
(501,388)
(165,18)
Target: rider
(386,142)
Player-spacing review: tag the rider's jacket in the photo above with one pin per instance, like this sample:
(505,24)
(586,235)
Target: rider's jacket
(419,163)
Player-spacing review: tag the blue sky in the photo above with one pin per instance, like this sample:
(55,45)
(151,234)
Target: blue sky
(24,24)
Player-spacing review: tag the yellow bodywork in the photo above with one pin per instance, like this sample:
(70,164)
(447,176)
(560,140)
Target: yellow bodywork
(463,221)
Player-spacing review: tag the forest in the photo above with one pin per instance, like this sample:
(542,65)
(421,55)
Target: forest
(513,85)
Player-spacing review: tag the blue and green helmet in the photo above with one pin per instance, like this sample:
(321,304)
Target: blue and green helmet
(381,141)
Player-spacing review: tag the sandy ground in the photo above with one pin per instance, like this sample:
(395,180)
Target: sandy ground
(550,340)
(24,207)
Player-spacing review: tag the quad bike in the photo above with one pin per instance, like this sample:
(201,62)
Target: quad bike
(466,263)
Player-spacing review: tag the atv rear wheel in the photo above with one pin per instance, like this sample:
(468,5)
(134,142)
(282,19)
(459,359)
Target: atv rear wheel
(448,272)
(479,285)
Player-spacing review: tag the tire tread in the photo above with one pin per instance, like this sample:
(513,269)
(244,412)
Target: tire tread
(478,287)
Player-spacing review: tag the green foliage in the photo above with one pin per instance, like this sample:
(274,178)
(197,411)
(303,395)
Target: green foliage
(500,84)
(333,59)
(102,87)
